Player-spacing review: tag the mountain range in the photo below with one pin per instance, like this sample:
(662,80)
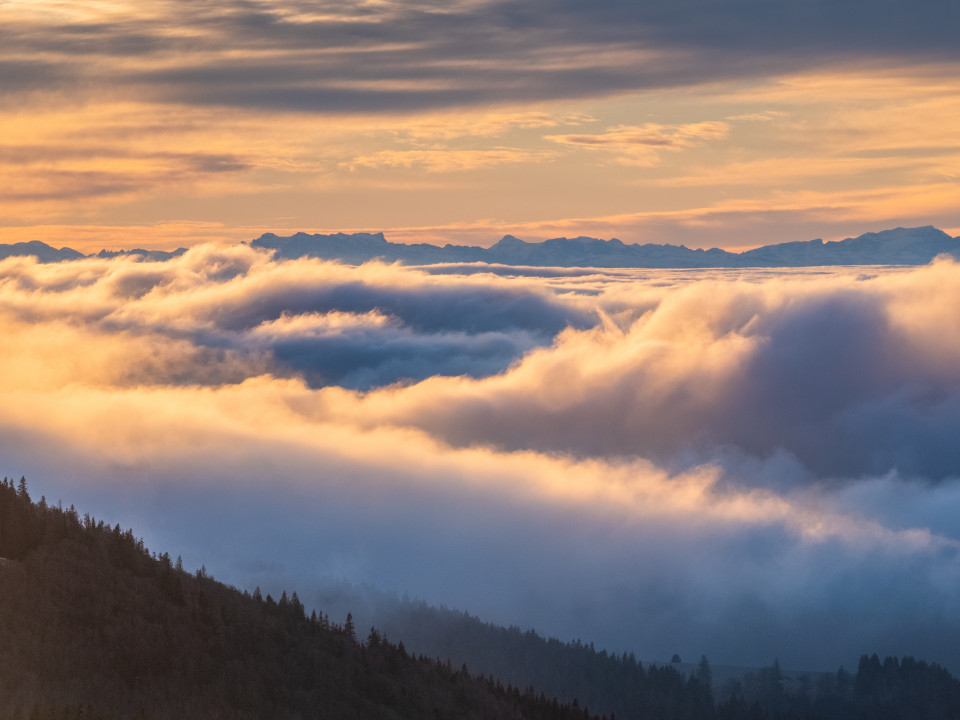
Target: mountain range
(900,246)
(49,254)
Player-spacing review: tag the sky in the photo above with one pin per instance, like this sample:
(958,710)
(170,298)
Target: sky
(728,123)
(747,464)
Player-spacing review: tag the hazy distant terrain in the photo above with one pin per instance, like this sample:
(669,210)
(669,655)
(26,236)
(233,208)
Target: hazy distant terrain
(902,246)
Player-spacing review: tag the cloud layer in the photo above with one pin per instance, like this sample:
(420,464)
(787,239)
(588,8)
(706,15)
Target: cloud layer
(742,464)
(850,377)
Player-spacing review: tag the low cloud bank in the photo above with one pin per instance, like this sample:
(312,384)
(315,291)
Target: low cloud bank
(849,376)
(237,311)
(746,465)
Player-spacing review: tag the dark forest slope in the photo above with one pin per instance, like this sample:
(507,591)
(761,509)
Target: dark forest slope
(619,684)
(93,626)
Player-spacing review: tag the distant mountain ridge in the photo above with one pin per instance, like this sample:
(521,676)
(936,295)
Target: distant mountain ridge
(40,250)
(48,254)
(899,246)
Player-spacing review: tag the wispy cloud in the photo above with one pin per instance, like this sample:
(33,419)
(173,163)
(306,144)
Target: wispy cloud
(446,159)
(447,126)
(642,145)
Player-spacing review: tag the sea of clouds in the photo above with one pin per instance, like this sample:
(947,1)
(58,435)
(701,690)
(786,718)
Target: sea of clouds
(747,464)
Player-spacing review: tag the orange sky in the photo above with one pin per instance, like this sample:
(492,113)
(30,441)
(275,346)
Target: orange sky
(162,124)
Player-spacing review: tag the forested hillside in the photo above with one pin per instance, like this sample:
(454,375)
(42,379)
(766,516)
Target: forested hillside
(610,683)
(92,625)
(620,685)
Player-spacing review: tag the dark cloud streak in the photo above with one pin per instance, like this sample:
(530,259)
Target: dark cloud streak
(479,53)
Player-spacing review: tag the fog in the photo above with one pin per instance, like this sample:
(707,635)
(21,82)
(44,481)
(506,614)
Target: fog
(744,464)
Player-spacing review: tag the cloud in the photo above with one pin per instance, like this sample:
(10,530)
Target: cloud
(38,175)
(642,145)
(652,135)
(832,371)
(308,58)
(447,126)
(658,461)
(447,159)
(319,320)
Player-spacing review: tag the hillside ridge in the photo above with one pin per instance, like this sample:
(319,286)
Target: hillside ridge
(94,625)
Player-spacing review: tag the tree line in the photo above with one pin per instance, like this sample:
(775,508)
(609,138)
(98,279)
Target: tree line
(93,625)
